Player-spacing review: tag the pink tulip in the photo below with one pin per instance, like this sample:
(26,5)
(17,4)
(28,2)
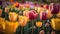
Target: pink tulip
(43,15)
(32,14)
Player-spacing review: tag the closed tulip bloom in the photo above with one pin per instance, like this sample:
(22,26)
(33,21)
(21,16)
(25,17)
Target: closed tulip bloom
(22,20)
(43,15)
(32,14)
(54,8)
(12,16)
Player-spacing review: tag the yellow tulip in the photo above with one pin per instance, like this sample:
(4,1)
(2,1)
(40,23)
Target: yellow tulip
(12,16)
(2,23)
(39,24)
(25,12)
(55,23)
(11,26)
(22,20)
(58,15)
(39,9)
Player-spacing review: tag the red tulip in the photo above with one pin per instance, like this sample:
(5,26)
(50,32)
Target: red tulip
(41,5)
(43,15)
(32,14)
(36,4)
(16,4)
(54,8)
(46,6)
(23,1)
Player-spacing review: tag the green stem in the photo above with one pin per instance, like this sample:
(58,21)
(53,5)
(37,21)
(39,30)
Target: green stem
(21,30)
(43,25)
(32,26)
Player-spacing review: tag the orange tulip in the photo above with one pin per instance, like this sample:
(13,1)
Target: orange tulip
(49,15)
(16,4)
(27,6)
(0,12)
(39,24)
(11,0)
(58,15)
(12,16)
(21,6)
(1,28)
(22,20)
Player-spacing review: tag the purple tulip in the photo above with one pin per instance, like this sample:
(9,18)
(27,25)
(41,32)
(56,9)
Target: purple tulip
(54,8)
(0,2)
(31,3)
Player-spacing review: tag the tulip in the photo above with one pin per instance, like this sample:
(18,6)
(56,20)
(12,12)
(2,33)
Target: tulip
(49,15)
(25,13)
(12,16)
(27,6)
(22,20)
(2,24)
(53,32)
(23,1)
(39,9)
(58,15)
(54,8)
(11,26)
(36,4)
(39,24)
(1,28)
(16,4)
(42,32)
(11,0)
(43,15)
(21,6)
(55,23)
(6,10)
(32,14)
(46,6)
(0,3)
(0,12)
